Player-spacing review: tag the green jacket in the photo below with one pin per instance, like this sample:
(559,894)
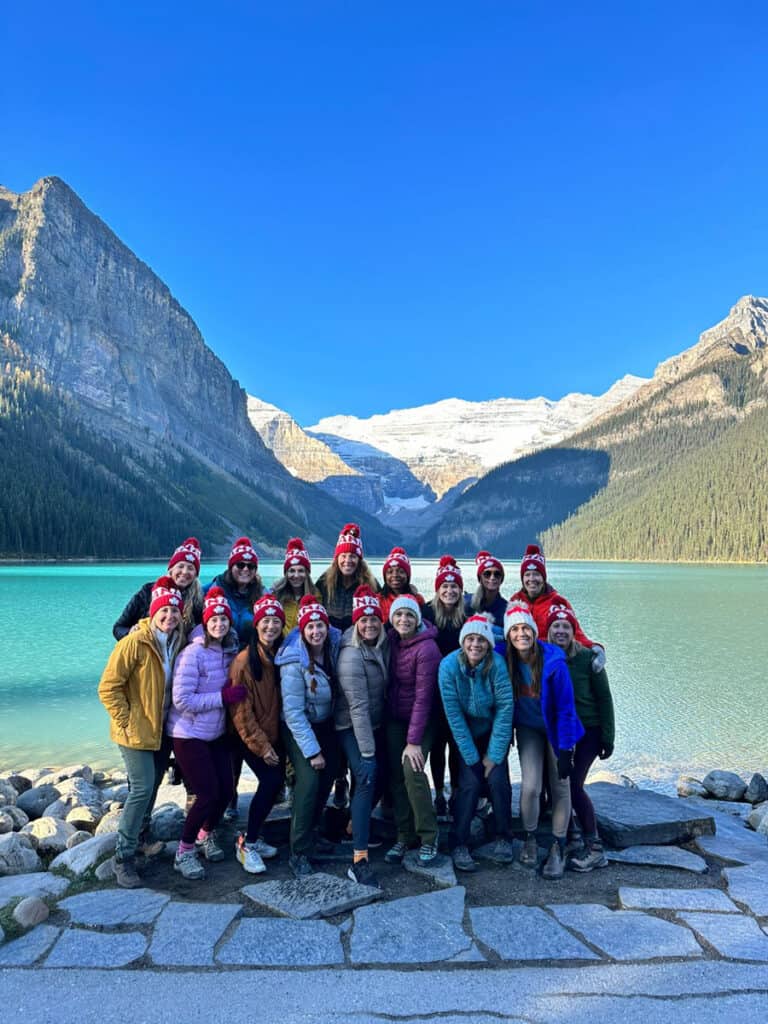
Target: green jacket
(592,694)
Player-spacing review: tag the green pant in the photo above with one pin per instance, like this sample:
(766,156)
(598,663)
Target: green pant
(312,787)
(411,794)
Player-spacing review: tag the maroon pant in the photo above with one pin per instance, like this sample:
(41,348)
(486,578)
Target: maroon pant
(584,755)
(207,769)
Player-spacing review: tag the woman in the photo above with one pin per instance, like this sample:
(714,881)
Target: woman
(363,670)
(308,684)
(136,688)
(477,696)
(446,611)
(546,728)
(594,706)
(184,570)
(396,573)
(413,664)
(487,597)
(295,582)
(197,723)
(256,722)
(346,573)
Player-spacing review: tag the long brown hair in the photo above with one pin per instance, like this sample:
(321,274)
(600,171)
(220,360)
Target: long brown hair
(536,664)
(330,582)
(283,590)
(255,589)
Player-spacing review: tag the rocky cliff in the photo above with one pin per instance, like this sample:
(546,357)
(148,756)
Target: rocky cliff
(303,456)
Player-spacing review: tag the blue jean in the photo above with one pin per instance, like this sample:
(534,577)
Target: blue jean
(472,783)
(144,769)
(370,777)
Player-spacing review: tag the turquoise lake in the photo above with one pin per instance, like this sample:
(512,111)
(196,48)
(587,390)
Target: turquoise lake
(686,650)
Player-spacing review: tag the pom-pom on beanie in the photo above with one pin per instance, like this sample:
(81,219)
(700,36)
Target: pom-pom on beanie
(296,554)
(268,605)
(407,602)
(349,541)
(216,603)
(533,559)
(365,602)
(519,613)
(165,594)
(478,625)
(310,610)
(397,559)
(485,560)
(188,552)
(243,551)
(448,572)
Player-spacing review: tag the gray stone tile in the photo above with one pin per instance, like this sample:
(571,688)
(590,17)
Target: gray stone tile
(631,817)
(635,898)
(318,895)
(30,947)
(749,885)
(733,842)
(659,857)
(38,883)
(78,948)
(734,936)
(526,933)
(185,933)
(417,929)
(110,907)
(627,934)
(468,956)
(440,871)
(264,942)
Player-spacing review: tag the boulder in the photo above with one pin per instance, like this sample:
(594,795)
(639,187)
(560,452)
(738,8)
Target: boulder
(78,837)
(757,790)
(33,775)
(105,872)
(17,855)
(86,818)
(725,785)
(108,823)
(167,822)
(75,793)
(8,794)
(6,823)
(641,817)
(606,775)
(36,799)
(52,834)
(19,782)
(709,805)
(30,911)
(87,855)
(758,819)
(72,771)
(115,794)
(688,786)
(17,816)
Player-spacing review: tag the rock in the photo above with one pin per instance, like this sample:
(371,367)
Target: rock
(75,792)
(318,895)
(112,907)
(167,822)
(105,872)
(36,799)
(33,775)
(605,775)
(30,911)
(17,855)
(749,885)
(108,823)
(659,857)
(114,794)
(688,786)
(710,805)
(25,951)
(80,948)
(100,778)
(40,883)
(186,933)
(81,836)
(733,935)
(72,771)
(17,816)
(633,898)
(84,856)
(757,790)
(725,785)
(413,930)
(440,871)
(263,942)
(6,823)
(19,782)
(8,794)
(526,933)
(627,934)
(636,817)
(52,834)
(758,818)
(733,842)
(85,818)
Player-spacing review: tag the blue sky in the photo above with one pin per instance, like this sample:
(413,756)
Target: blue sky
(369,206)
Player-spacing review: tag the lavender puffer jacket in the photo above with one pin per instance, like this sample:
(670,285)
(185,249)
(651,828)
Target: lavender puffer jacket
(413,665)
(200,672)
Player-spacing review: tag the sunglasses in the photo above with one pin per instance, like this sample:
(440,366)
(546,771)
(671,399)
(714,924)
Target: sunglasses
(492,574)
(244,565)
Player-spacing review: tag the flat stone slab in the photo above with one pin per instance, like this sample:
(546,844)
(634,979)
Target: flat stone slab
(318,895)
(709,805)
(749,885)
(185,933)
(734,842)
(659,857)
(38,883)
(638,817)
(30,947)
(632,898)
(262,942)
(416,929)
(440,871)
(627,934)
(79,948)
(110,907)
(526,933)
(734,937)
(84,856)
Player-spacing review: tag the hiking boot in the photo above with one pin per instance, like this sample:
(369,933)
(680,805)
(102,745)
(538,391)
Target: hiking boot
(554,866)
(463,859)
(323,846)
(188,865)
(149,847)
(591,857)
(427,854)
(502,852)
(300,866)
(249,857)
(529,855)
(395,854)
(126,874)
(441,807)
(209,848)
(362,873)
(264,850)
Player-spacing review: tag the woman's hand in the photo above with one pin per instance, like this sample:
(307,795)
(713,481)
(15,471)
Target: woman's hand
(414,756)
(271,758)
(488,765)
(233,694)
(317,762)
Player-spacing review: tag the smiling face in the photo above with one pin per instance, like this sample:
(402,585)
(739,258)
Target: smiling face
(449,594)
(182,574)
(296,576)
(243,574)
(521,638)
(405,623)
(348,562)
(167,619)
(491,582)
(475,648)
(533,582)
(396,579)
(369,628)
(315,633)
(217,627)
(268,630)
(561,633)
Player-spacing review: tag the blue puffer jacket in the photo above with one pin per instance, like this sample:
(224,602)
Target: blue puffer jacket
(476,705)
(564,729)
(302,707)
(242,610)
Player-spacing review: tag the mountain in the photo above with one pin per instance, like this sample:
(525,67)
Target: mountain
(137,409)
(303,456)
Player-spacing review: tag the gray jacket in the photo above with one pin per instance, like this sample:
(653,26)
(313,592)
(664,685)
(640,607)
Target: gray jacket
(363,674)
(307,696)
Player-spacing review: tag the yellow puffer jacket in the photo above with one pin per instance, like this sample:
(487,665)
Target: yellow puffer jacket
(132,688)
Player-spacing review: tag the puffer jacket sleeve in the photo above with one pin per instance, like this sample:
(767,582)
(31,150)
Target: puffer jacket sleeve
(136,609)
(448,679)
(569,728)
(292,687)
(114,680)
(504,705)
(350,669)
(186,680)
(427,663)
(242,713)
(604,701)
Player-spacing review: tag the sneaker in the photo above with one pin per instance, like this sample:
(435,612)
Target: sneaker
(502,852)
(188,865)
(591,857)
(323,846)
(150,848)
(463,859)
(441,806)
(264,850)
(554,866)
(427,853)
(529,855)
(230,815)
(209,848)
(250,858)
(362,873)
(126,875)
(395,854)
(300,866)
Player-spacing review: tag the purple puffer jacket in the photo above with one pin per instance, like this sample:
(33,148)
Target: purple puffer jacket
(200,672)
(413,665)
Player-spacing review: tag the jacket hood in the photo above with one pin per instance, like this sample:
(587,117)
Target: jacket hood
(293,649)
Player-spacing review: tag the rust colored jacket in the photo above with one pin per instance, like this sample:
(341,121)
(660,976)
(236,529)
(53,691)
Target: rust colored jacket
(256,719)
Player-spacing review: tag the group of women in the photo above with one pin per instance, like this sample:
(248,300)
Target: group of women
(346,679)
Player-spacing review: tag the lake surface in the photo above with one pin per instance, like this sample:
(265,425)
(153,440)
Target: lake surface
(687,658)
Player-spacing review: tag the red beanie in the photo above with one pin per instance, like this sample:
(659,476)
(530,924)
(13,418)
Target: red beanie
(559,612)
(349,540)
(296,554)
(448,572)
(397,559)
(216,603)
(188,552)
(365,602)
(485,560)
(242,551)
(533,559)
(268,605)
(165,594)
(310,610)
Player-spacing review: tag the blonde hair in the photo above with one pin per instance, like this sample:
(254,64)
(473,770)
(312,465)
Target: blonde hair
(443,620)
(478,600)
